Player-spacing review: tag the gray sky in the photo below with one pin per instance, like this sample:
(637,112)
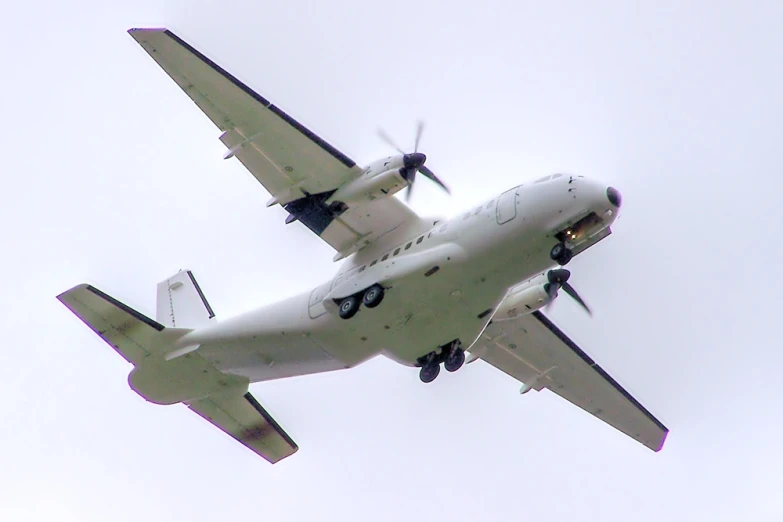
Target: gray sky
(112,176)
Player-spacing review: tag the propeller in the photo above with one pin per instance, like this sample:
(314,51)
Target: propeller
(559,279)
(413,162)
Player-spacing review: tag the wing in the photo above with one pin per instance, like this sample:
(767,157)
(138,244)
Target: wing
(298,168)
(534,351)
(140,340)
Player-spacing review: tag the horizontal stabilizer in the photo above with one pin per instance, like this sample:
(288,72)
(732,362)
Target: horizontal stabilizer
(166,374)
(242,417)
(132,334)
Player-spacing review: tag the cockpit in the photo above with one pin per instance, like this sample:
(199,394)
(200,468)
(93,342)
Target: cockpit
(548,178)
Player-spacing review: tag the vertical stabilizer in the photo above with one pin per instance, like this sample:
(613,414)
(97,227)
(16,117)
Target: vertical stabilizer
(181,303)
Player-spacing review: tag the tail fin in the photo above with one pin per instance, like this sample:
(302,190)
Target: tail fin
(181,303)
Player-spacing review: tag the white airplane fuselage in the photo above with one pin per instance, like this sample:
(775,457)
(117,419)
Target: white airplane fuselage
(443,284)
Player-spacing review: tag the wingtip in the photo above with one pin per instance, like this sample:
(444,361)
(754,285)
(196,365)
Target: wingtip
(63,295)
(147,30)
(139,32)
(663,440)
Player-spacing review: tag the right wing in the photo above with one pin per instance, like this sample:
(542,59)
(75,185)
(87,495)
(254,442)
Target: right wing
(533,350)
(298,168)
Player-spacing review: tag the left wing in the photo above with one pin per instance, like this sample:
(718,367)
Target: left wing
(297,167)
(534,351)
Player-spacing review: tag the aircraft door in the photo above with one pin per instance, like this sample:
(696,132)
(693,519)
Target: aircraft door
(507,206)
(316,305)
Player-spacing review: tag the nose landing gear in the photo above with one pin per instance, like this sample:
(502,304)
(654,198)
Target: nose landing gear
(561,254)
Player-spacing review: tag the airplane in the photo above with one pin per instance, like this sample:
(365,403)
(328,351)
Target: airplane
(424,292)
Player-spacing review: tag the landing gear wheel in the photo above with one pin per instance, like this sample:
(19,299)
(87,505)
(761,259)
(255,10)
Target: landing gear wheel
(429,372)
(566,257)
(373,296)
(561,253)
(455,360)
(348,307)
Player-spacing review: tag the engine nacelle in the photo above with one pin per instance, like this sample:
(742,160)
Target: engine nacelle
(370,187)
(524,299)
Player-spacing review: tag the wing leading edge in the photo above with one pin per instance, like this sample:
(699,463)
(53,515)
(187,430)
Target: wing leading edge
(533,350)
(295,165)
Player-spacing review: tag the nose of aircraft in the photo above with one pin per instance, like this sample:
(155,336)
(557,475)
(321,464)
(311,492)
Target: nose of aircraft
(613,195)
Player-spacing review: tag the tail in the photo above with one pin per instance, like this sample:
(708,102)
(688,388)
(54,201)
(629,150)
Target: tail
(181,303)
(163,376)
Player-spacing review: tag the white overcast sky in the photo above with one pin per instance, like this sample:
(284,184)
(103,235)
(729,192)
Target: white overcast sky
(112,176)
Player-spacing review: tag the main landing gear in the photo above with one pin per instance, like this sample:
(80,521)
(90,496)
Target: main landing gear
(371,298)
(561,253)
(452,356)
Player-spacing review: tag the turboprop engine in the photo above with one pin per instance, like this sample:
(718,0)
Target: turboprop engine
(524,299)
(537,293)
(388,176)
(378,181)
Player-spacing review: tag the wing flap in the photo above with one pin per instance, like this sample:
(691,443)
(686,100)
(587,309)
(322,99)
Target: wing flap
(537,353)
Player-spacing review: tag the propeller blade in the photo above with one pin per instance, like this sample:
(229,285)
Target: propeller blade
(385,137)
(419,130)
(567,288)
(410,187)
(428,173)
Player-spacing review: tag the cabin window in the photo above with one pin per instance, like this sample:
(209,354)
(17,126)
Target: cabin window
(373,262)
(362,268)
(396,251)
(489,205)
(420,240)
(466,216)
(477,211)
(408,245)
(385,257)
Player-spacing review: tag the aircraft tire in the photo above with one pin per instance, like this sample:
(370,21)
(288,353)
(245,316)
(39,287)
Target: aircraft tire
(455,360)
(373,296)
(566,257)
(429,372)
(348,307)
(561,254)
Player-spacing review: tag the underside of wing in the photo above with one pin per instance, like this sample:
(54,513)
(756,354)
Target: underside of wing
(297,167)
(242,417)
(537,353)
